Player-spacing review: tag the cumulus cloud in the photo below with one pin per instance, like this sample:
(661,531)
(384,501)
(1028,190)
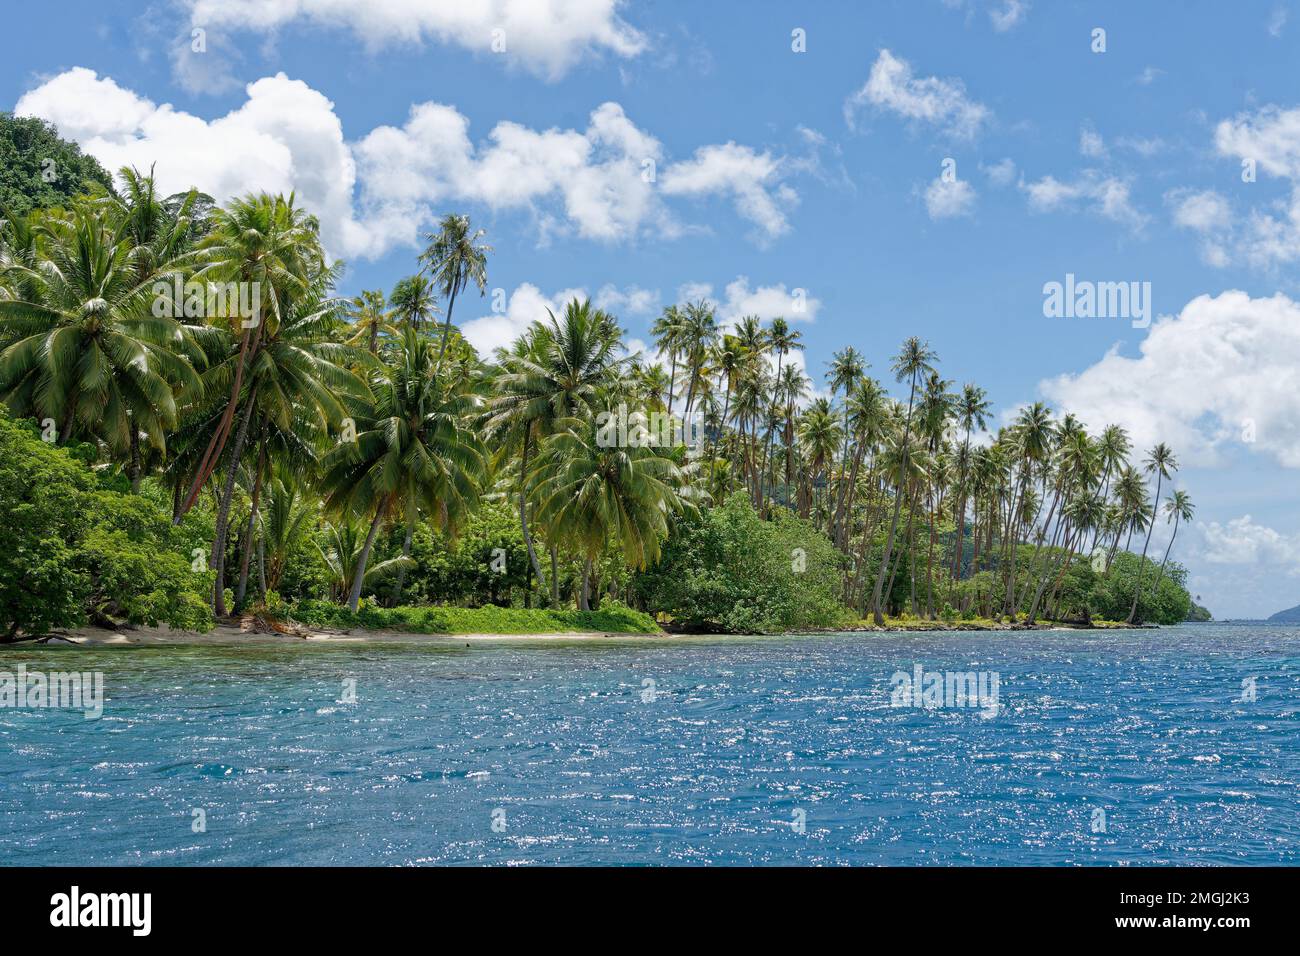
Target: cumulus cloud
(526,305)
(1221,374)
(941,103)
(632,300)
(765,301)
(1244,541)
(1001,173)
(1269,140)
(546,39)
(946,198)
(607,182)
(752,180)
(1105,196)
(1208,214)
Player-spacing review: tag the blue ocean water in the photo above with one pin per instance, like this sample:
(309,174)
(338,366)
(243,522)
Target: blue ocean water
(782,750)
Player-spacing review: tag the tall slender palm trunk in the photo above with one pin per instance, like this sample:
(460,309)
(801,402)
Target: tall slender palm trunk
(354,595)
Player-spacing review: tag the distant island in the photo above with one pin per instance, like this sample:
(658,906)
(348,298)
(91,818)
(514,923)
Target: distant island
(1290,616)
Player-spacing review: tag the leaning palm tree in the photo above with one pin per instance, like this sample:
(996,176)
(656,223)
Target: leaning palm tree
(595,496)
(914,359)
(299,385)
(271,246)
(455,257)
(414,449)
(1161,461)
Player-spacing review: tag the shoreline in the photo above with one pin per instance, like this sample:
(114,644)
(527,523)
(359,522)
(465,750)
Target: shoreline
(228,635)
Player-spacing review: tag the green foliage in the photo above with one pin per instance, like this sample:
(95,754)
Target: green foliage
(612,618)
(460,570)
(71,553)
(40,170)
(1112,595)
(729,570)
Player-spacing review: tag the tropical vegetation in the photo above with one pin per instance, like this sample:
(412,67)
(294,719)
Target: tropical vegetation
(198,424)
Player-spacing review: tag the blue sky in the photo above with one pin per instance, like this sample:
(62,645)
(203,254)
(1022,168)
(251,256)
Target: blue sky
(776,170)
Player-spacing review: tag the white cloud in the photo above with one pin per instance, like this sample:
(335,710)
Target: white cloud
(1091,143)
(1208,214)
(1221,374)
(1001,173)
(945,199)
(1245,541)
(752,179)
(632,300)
(381,191)
(1105,196)
(526,305)
(1010,13)
(1270,136)
(940,102)
(765,301)
(1149,75)
(1268,235)
(544,38)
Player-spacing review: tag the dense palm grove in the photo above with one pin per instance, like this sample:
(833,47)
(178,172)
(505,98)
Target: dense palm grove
(321,455)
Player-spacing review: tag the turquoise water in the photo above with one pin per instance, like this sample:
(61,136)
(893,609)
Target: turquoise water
(718,760)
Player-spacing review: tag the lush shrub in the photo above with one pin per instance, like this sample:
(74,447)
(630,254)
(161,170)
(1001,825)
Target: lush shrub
(729,570)
(1112,593)
(71,553)
(490,619)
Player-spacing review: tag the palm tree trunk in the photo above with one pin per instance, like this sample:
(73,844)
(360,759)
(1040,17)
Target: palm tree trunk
(1168,548)
(767,444)
(878,617)
(446,329)
(242,590)
(1151,526)
(523,514)
(354,596)
(555,577)
(136,471)
(217,443)
(218,561)
(583,603)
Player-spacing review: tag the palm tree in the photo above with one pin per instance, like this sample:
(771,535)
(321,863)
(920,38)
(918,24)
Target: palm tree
(84,347)
(414,449)
(366,312)
(600,495)
(973,408)
(271,246)
(455,257)
(698,336)
(1161,461)
(782,340)
(346,554)
(297,387)
(669,334)
(554,373)
(1178,507)
(412,300)
(287,516)
(915,358)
